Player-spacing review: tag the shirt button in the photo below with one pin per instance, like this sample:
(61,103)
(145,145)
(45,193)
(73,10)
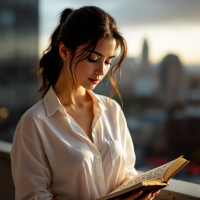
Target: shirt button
(100,178)
(98,156)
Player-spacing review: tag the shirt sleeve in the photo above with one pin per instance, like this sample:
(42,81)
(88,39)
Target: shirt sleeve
(29,164)
(127,144)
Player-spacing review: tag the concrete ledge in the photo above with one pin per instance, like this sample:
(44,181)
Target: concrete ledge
(5,148)
(179,190)
(6,183)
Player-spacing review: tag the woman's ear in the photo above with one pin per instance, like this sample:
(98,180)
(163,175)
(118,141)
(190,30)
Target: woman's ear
(63,51)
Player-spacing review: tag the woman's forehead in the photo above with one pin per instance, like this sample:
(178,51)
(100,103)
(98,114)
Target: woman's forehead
(106,47)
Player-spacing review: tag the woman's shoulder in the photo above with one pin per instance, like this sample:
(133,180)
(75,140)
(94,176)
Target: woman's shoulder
(38,109)
(33,113)
(28,124)
(108,102)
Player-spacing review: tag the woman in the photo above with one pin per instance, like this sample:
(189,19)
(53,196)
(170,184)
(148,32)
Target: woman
(74,144)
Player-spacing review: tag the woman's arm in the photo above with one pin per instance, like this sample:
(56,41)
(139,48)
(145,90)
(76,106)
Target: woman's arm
(30,167)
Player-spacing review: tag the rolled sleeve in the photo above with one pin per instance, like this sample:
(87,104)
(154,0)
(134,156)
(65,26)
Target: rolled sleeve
(30,170)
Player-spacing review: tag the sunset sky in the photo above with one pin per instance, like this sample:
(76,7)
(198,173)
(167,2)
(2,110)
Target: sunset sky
(169,26)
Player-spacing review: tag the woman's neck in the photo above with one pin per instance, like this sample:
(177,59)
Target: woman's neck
(67,94)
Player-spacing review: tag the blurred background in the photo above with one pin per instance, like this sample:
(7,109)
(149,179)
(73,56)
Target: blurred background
(160,83)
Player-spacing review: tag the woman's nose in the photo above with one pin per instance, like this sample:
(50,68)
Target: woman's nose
(101,70)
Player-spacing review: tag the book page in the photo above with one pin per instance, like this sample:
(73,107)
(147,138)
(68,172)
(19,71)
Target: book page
(154,173)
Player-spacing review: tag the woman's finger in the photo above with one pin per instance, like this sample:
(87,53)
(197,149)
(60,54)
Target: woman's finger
(149,196)
(146,197)
(155,193)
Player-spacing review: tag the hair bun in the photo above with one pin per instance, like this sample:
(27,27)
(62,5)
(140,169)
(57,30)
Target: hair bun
(64,14)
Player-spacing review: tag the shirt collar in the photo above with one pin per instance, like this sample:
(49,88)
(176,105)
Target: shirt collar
(96,100)
(52,103)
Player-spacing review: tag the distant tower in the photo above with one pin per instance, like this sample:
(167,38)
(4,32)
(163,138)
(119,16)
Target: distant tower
(144,82)
(145,52)
(172,80)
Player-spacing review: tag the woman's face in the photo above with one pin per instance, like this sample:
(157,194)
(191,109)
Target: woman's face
(90,71)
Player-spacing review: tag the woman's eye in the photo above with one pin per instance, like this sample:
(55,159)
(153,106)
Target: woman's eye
(91,60)
(107,63)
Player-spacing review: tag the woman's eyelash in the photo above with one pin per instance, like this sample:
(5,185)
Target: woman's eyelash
(108,63)
(91,60)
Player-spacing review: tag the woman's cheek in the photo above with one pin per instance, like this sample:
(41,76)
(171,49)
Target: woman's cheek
(106,69)
(84,68)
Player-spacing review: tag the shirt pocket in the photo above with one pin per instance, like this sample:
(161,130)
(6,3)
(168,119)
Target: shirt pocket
(117,157)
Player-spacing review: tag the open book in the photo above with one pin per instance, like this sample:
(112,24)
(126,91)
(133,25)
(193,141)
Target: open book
(150,181)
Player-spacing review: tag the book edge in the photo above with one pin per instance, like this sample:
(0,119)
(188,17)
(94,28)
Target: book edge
(141,184)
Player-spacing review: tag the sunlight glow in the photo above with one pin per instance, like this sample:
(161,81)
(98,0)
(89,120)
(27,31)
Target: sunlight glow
(4,112)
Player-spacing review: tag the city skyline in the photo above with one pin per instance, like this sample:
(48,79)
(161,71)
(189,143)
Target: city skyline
(168,27)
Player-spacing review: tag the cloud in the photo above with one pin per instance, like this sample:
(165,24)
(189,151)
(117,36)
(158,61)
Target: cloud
(164,22)
(143,12)
(132,12)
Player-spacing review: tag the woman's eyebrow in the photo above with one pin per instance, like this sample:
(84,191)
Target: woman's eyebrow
(95,52)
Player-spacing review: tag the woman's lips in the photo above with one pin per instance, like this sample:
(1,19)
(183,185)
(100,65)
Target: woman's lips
(94,80)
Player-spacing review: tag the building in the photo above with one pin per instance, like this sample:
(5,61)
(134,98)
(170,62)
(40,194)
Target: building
(145,82)
(18,53)
(173,83)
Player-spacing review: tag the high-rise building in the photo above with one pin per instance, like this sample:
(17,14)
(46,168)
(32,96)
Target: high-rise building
(18,54)
(144,82)
(172,81)
(145,55)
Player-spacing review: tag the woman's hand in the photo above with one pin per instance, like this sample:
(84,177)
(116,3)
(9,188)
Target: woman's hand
(149,196)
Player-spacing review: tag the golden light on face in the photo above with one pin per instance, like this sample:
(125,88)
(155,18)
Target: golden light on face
(90,71)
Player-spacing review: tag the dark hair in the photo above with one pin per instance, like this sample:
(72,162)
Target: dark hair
(83,26)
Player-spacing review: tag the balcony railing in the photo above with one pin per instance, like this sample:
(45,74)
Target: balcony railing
(177,190)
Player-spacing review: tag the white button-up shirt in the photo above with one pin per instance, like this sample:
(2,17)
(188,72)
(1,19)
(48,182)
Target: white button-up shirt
(52,157)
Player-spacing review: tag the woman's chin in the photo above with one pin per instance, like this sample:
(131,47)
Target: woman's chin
(90,87)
